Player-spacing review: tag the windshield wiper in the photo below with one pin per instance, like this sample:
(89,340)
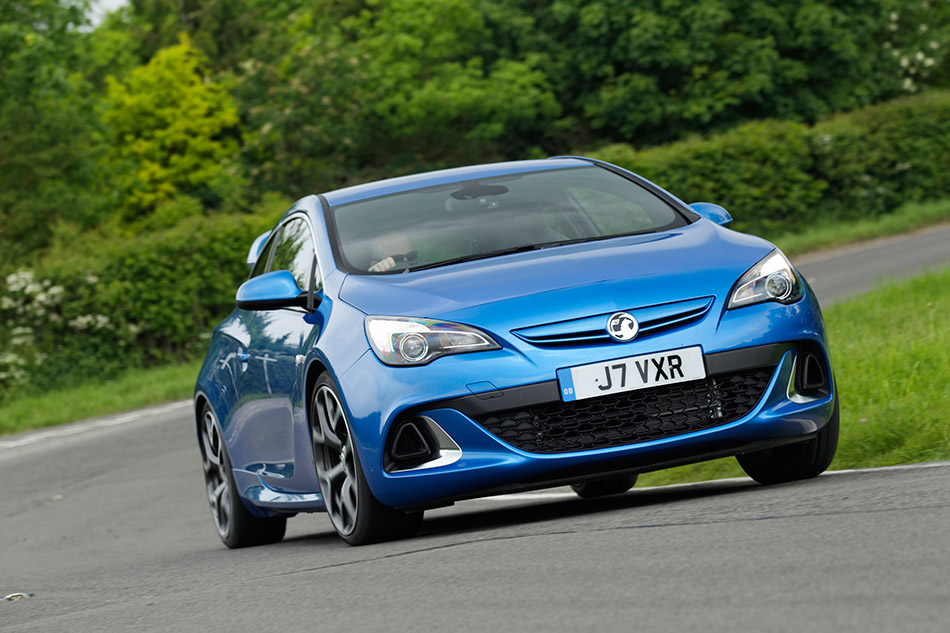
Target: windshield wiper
(474,256)
(522,249)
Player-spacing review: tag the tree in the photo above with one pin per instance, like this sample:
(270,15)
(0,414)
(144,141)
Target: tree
(48,126)
(397,86)
(171,134)
(656,70)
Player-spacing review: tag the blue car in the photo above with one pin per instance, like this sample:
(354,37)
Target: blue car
(408,343)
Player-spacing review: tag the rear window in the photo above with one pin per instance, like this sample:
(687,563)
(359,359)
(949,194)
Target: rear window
(486,217)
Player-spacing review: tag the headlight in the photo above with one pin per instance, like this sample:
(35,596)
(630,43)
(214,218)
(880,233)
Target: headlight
(772,279)
(410,341)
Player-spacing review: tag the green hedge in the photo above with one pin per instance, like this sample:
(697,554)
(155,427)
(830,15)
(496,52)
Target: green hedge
(777,176)
(118,302)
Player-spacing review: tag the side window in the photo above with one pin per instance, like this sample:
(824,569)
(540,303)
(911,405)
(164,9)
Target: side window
(294,251)
(261,266)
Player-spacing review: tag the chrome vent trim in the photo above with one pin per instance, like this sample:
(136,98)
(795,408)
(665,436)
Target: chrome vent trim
(592,330)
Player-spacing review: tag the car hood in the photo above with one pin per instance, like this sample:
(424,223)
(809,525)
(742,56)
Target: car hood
(566,282)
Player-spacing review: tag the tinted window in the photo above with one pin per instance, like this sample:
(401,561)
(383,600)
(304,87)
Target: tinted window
(477,218)
(294,251)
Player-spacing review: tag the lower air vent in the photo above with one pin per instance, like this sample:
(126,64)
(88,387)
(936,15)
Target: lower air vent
(410,443)
(631,417)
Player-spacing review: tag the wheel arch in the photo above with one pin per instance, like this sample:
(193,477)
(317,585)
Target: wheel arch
(314,369)
(201,399)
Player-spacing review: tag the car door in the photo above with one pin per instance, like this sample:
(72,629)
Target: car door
(273,430)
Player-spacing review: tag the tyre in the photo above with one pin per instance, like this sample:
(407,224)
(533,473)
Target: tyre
(236,526)
(357,516)
(794,461)
(604,487)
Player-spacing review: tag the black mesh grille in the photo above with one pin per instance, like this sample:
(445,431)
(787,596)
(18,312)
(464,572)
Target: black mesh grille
(631,417)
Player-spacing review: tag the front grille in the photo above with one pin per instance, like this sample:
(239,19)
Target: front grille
(593,329)
(631,417)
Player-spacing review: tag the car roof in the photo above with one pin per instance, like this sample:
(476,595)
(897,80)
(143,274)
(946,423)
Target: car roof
(432,178)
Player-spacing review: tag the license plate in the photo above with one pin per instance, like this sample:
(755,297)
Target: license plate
(632,373)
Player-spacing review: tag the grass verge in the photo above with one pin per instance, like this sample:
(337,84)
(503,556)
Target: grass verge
(909,217)
(890,350)
(135,389)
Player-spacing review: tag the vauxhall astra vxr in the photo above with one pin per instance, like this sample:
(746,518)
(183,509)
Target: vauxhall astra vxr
(404,344)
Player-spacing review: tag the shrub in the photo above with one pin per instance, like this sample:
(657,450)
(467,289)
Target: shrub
(122,302)
(781,177)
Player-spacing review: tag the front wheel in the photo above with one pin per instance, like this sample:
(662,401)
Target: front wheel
(357,516)
(803,460)
(236,526)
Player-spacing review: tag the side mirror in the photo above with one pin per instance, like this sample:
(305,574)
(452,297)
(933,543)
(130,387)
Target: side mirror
(256,247)
(712,212)
(271,291)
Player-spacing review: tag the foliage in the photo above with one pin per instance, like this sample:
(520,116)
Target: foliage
(653,70)
(169,129)
(219,28)
(48,132)
(784,177)
(402,85)
(123,302)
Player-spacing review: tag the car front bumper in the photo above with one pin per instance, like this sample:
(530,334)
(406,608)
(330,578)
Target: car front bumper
(487,464)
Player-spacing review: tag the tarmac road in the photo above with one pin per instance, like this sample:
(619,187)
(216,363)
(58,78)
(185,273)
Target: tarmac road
(107,524)
(844,272)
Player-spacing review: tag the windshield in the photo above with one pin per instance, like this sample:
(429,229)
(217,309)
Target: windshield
(474,219)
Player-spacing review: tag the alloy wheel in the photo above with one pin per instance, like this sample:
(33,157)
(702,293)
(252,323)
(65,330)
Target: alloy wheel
(217,481)
(334,455)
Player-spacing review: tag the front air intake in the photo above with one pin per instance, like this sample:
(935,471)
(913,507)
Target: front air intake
(410,443)
(811,374)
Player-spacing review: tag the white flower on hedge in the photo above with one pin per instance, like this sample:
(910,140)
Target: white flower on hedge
(923,28)
(102,321)
(19,280)
(133,329)
(895,16)
(20,336)
(91,279)
(905,62)
(930,61)
(7,303)
(934,46)
(82,322)
(10,359)
(908,84)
